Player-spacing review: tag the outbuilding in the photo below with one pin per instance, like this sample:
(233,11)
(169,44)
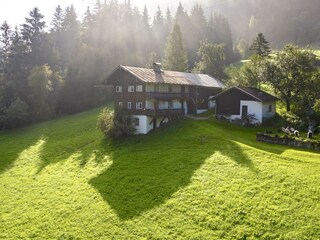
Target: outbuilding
(238,102)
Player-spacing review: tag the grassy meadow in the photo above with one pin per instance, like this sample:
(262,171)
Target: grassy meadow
(190,180)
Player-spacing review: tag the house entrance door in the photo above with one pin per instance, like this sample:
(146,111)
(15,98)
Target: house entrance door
(244,110)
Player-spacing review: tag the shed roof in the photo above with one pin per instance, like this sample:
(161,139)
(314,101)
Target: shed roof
(257,94)
(170,77)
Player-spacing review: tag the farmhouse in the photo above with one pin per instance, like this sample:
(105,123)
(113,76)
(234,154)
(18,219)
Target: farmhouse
(238,102)
(153,96)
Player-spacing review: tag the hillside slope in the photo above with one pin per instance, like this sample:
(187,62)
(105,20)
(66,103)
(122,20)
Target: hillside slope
(191,179)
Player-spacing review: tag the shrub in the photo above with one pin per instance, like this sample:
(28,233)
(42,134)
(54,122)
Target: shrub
(15,115)
(115,124)
(106,122)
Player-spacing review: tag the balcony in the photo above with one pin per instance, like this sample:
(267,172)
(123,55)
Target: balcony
(157,113)
(168,95)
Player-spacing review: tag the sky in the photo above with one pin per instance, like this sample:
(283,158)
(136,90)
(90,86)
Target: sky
(15,11)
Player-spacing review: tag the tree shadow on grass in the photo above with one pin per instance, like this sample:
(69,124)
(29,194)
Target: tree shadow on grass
(63,137)
(12,144)
(147,170)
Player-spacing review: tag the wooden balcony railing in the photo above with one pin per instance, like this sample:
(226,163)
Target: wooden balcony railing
(156,113)
(167,95)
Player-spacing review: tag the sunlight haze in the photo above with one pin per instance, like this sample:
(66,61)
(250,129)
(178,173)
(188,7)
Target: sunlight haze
(15,11)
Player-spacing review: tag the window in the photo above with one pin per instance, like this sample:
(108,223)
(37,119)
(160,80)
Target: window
(170,89)
(118,89)
(170,105)
(139,88)
(270,108)
(156,88)
(139,105)
(130,88)
(135,121)
(244,110)
(120,104)
(129,105)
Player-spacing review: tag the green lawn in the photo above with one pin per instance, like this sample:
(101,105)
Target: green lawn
(191,179)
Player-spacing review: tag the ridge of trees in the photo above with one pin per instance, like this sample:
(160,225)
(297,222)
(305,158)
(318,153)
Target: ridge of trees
(47,69)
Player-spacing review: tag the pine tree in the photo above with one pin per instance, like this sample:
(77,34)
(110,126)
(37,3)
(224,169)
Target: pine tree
(260,46)
(5,41)
(33,35)
(57,19)
(175,55)
(220,33)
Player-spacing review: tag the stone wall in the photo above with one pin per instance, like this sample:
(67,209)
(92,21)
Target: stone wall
(289,141)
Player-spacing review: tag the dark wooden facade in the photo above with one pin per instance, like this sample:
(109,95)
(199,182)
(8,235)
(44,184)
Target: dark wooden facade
(229,102)
(196,97)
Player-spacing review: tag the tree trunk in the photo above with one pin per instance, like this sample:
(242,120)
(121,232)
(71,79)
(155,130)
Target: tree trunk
(288,106)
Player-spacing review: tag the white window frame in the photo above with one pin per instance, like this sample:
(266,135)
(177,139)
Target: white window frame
(139,105)
(135,121)
(130,88)
(139,88)
(120,105)
(129,105)
(118,89)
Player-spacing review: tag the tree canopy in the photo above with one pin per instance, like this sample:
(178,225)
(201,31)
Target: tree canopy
(175,55)
(260,46)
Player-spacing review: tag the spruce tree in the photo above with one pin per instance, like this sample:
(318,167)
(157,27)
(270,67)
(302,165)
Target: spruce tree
(175,55)
(33,35)
(5,41)
(260,46)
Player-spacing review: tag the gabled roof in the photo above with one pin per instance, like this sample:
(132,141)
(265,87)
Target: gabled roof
(255,93)
(170,77)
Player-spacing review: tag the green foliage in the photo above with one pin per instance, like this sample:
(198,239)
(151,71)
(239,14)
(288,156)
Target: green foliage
(115,124)
(243,48)
(190,180)
(212,60)
(260,46)
(175,56)
(219,32)
(40,84)
(290,72)
(15,115)
(250,74)
(294,121)
(106,122)
(316,105)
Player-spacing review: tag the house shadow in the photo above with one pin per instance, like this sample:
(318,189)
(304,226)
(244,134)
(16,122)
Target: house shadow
(147,171)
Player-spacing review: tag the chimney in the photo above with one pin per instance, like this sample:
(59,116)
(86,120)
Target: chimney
(157,67)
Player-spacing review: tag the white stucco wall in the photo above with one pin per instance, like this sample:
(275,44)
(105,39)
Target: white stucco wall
(143,124)
(254,107)
(265,110)
(146,124)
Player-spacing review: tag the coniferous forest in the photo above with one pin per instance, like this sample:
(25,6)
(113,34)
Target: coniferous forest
(49,69)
